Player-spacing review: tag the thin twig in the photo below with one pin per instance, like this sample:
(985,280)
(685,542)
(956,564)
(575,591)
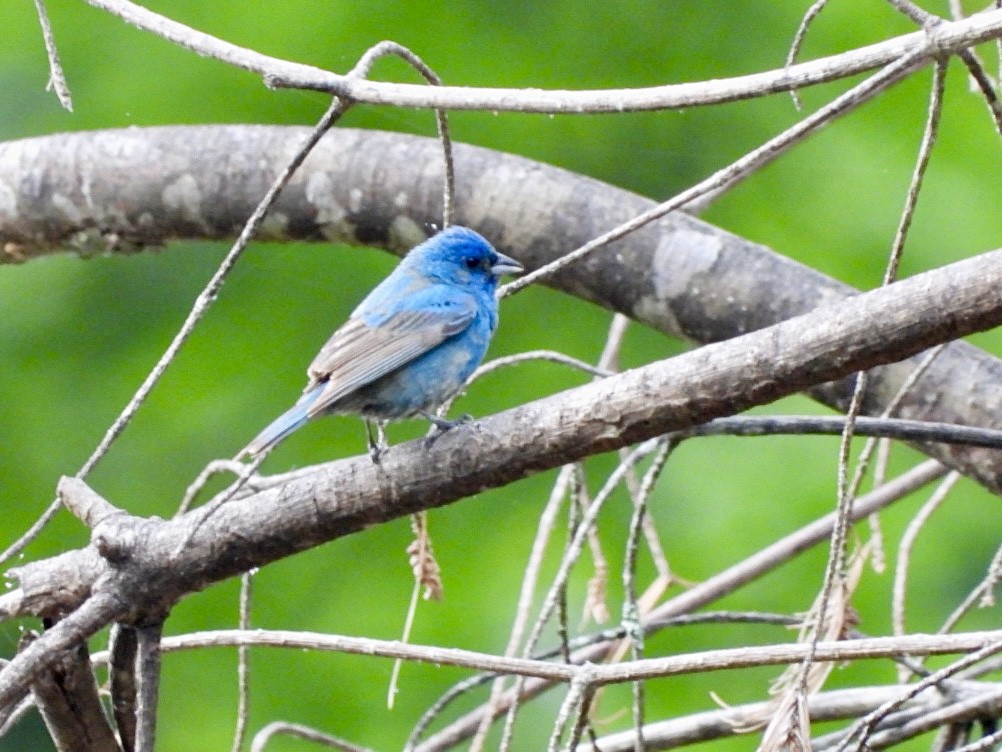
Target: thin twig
(931,23)
(243,664)
(32,532)
(581,722)
(950,37)
(215,467)
(991,580)
(574,699)
(877,552)
(147,684)
(387,48)
(281,73)
(426,576)
(595,604)
(834,569)
(570,557)
(736,171)
(981,594)
(984,84)
(391,689)
(57,79)
(453,693)
(798,41)
(825,706)
(608,361)
(26,706)
(976,644)
(865,726)
(845,491)
(567,474)
(988,742)
(262,737)
(577,696)
(881,472)
(631,612)
(827,425)
(863,461)
(929,134)
(544,530)
(565,654)
(919,15)
(915,525)
(230,492)
(547,355)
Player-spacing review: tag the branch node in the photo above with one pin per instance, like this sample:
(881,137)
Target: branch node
(84,502)
(114,542)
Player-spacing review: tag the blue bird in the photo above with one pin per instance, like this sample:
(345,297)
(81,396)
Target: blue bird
(411,344)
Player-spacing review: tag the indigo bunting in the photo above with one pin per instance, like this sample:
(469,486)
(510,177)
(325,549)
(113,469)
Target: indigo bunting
(411,344)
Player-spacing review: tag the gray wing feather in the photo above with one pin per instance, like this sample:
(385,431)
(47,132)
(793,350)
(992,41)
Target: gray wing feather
(358,354)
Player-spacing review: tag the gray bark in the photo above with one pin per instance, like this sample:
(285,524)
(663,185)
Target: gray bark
(122,190)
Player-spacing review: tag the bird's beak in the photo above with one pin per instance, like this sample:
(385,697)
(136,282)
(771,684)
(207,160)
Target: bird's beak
(505,265)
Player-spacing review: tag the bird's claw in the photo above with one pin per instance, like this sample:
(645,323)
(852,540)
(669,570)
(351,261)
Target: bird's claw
(443,425)
(432,437)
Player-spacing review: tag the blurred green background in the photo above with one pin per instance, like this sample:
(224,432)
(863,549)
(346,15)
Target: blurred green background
(77,337)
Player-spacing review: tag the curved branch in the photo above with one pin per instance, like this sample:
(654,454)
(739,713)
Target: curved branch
(946,37)
(121,190)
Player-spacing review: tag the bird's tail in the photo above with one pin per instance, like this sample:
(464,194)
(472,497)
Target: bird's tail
(283,425)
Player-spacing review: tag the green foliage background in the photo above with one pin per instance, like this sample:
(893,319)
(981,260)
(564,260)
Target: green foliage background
(77,337)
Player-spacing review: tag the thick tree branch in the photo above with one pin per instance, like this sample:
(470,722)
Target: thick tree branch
(67,697)
(122,190)
(149,564)
(122,682)
(49,648)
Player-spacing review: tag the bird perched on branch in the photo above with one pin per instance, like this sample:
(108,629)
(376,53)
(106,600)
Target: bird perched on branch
(411,344)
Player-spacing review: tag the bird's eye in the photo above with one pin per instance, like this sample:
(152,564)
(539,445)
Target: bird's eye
(471,262)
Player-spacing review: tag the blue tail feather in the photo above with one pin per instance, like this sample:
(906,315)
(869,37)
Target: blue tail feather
(283,425)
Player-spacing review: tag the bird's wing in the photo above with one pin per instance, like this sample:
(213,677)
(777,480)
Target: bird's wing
(359,353)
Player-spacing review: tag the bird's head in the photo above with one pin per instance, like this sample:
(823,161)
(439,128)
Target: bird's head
(458,255)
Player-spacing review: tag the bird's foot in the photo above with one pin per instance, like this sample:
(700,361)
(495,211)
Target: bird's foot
(377,444)
(376,453)
(442,425)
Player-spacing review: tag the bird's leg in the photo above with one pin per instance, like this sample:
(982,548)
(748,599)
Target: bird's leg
(378,444)
(442,425)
